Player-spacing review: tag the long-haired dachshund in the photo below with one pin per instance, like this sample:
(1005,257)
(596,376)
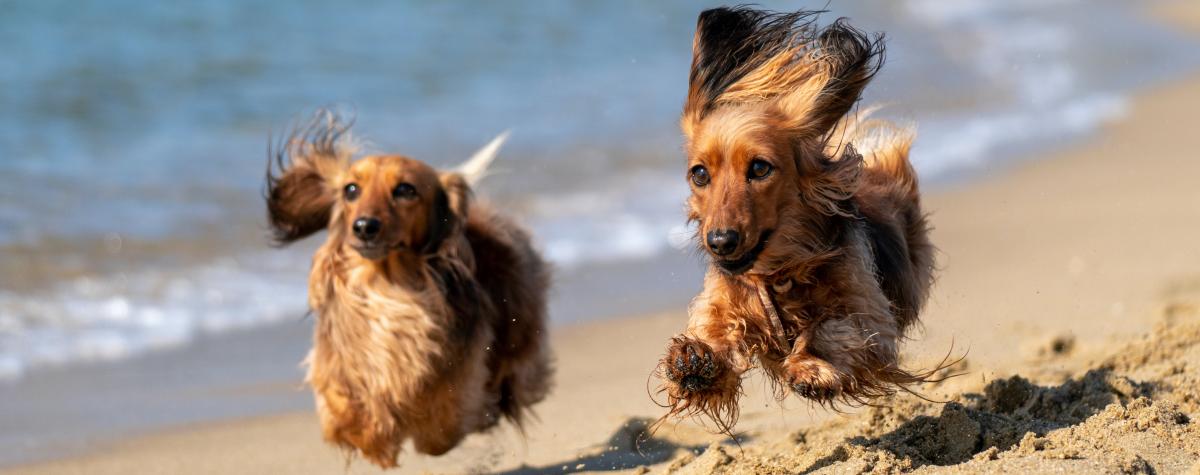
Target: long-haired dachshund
(430,308)
(820,256)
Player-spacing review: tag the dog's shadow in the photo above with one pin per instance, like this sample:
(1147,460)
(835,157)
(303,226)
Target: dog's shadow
(633,445)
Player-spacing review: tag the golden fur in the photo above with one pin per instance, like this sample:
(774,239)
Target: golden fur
(825,208)
(430,331)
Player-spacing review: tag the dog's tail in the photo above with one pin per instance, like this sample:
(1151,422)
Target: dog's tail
(883,145)
(476,167)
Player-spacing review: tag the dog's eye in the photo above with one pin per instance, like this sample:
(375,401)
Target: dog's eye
(759,169)
(351,191)
(404,191)
(699,175)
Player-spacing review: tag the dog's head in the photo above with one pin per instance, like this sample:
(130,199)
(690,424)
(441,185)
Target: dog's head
(397,204)
(768,92)
(374,206)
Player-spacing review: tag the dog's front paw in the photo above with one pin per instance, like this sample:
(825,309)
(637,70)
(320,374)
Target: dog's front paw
(698,380)
(692,366)
(813,378)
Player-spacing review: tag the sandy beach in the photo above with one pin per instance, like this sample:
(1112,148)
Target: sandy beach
(1069,283)
(1050,268)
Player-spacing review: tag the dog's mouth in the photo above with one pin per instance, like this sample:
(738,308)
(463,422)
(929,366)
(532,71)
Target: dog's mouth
(375,251)
(372,250)
(746,261)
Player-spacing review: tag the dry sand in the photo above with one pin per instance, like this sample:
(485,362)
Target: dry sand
(1072,281)
(1133,412)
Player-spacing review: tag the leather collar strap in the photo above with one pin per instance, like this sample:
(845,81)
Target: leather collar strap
(773,315)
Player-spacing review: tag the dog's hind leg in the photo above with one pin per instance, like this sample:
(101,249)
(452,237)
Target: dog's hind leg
(516,278)
(524,383)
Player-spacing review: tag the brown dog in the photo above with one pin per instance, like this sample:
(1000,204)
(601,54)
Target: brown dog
(430,309)
(820,257)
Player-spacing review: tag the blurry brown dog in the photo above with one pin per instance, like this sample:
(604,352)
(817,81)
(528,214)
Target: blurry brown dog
(820,257)
(430,308)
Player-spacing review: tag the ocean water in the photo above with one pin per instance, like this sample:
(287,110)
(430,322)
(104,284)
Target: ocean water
(133,137)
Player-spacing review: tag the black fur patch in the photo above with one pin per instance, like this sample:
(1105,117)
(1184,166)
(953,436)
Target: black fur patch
(466,297)
(731,42)
(441,223)
(892,265)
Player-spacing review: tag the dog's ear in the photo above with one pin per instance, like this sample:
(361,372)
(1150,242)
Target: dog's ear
(454,198)
(449,211)
(843,60)
(302,177)
(721,50)
(733,51)
(813,76)
(299,203)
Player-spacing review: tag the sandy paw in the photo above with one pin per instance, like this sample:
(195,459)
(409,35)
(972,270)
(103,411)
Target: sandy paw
(692,366)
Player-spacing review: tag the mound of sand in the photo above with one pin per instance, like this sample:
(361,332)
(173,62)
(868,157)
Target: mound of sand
(1135,411)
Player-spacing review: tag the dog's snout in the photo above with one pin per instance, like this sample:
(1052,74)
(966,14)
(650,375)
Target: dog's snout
(367,228)
(722,242)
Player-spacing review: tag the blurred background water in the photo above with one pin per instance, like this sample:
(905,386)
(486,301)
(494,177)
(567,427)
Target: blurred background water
(133,137)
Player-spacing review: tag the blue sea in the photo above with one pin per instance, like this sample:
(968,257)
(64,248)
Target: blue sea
(133,138)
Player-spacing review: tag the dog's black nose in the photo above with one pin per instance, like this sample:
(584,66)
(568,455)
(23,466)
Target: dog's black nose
(367,228)
(723,241)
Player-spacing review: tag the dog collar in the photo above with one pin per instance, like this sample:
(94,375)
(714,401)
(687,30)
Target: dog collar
(772,314)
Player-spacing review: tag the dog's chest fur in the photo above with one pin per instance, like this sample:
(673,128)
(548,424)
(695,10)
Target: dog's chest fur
(805,296)
(376,337)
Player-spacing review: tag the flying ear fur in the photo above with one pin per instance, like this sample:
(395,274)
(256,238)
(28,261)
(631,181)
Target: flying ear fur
(731,43)
(812,76)
(845,59)
(302,177)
